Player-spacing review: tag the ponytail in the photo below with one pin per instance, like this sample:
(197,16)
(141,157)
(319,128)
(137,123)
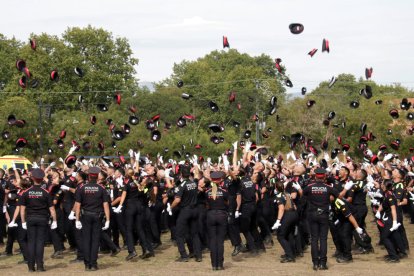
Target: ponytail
(214,190)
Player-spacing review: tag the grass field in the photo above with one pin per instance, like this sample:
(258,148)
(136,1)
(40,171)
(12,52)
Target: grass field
(266,264)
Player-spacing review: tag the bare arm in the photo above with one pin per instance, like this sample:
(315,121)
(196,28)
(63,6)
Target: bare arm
(238,201)
(77,210)
(23,213)
(280,212)
(175,203)
(52,213)
(106,210)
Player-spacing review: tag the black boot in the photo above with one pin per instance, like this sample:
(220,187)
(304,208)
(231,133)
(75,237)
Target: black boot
(31,267)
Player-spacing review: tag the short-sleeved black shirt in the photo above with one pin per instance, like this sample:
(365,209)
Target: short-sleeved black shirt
(221,199)
(247,190)
(37,202)
(91,196)
(318,195)
(187,191)
(12,196)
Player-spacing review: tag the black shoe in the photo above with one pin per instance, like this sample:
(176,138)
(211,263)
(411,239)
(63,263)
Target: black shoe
(41,268)
(243,248)
(131,256)
(146,255)
(299,255)
(315,267)
(76,261)
(336,254)
(361,250)
(116,252)
(94,268)
(32,268)
(57,255)
(199,259)
(191,255)
(284,256)
(392,260)
(343,260)
(156,245)
(287,260)
(323,267)
(402,255)
(182,260)
(236,251)
(220,268)
(215,268)
(87,268)
(22,262)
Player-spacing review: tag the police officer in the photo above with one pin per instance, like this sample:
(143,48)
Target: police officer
(91,201)
(217,201)
(318,196)
(4,207)
(285,224)
(35,205)
(187,220)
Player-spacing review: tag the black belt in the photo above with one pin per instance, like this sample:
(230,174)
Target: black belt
(89,213)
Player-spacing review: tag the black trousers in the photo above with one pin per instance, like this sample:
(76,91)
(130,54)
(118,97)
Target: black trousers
(187,223)
(285,233)
(391,239)
(118,227)
(106,241)
(135,219)
(36,236)
(319,235)
(345,234)
(216,228)
(262,223)
(16,234)
(233,223)
(58,234)
(69,228)
(155,222)
(91,235)
(3,222)
(79,244)
(202,226)
(248,225)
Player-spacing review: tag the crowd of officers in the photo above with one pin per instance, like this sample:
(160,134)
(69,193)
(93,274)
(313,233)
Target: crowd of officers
(96,205)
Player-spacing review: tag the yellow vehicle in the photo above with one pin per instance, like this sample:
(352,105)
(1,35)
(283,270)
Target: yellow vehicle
(20,161)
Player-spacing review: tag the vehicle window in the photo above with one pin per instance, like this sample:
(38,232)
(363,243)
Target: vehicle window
(20,166)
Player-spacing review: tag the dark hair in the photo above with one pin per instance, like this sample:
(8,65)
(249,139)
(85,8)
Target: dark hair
(83,175)
(388,183)
(364,173)
(280,187)
(120,170)
(185,171)
(346,170)
(104,174)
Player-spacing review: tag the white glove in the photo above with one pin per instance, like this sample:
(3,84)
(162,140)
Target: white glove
(74,174)
(167,173)
(72,215)
(348,185)
(247,146)
(195,160)
(378,214)
(4,209)
(326,157)
(226,163)
(118,209)
(78,225)
(219,160)
(35,165)
(237,214)
(53,225)
(131,153)
(256,157)
(235,145)
(64,188)
(359,230)
(276,225)
(209,161)
(161,159)
(137,155)
(106,227)
(61,160)
(12,224)
(395,225)
(14,166)
(169,210)
(411,197)
(369,153)
(374,202)
(388,156)
(42,160)
(24,225)
(120,181)
(85,162)
(378,194)
(336,222)
(296,186)
(72,150)
(52,164)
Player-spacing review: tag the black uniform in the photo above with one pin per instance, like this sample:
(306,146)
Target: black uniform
(91,197)
(37,202)
(318,197)
(2,215)
(343,211)
(216,225)
(248,218)
(188,218)
(285,233)
(234,224)
(67,202)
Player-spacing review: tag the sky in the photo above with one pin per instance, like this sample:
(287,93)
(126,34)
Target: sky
(369,33)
